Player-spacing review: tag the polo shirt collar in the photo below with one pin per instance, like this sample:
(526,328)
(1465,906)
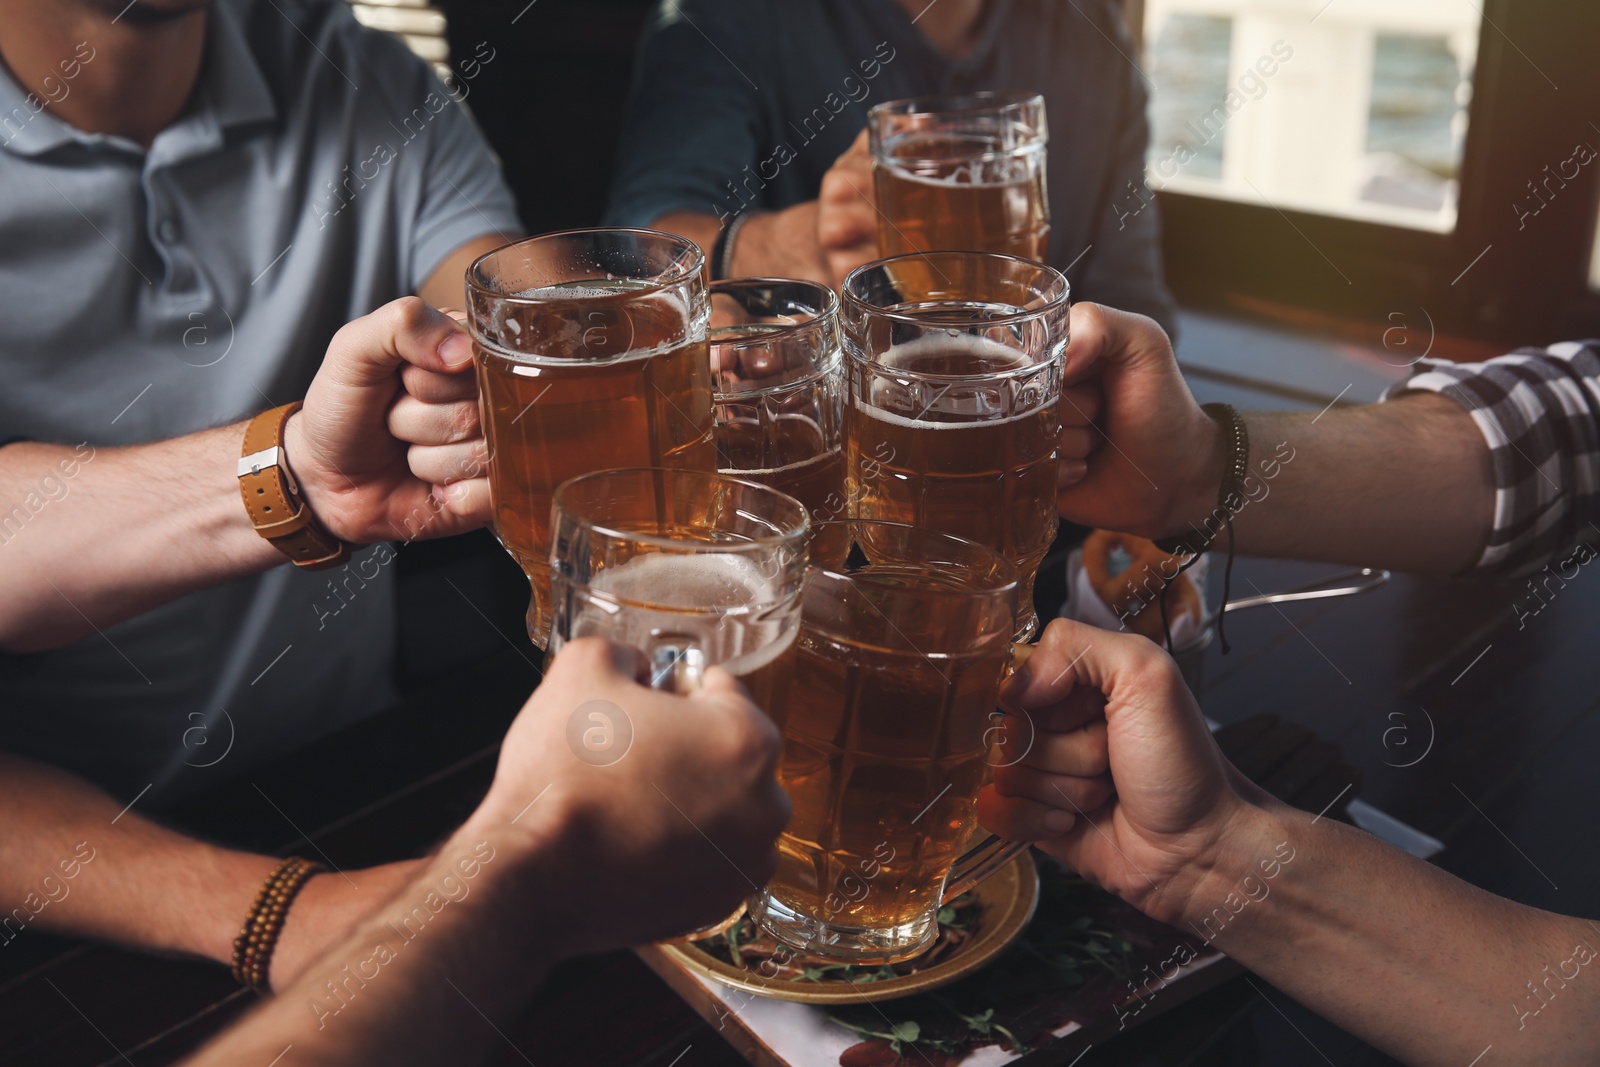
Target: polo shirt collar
(232,93)
(26,128)
(233,87)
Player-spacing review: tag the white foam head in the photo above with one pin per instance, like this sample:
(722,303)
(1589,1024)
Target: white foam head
(576,292)
(706,595)
(966,401)
(721,581)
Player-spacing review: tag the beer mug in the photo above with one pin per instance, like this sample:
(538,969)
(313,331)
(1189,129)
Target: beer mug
(905,642)
(778,388)
(590,349)
(964,173)
(695,570)
(953,366)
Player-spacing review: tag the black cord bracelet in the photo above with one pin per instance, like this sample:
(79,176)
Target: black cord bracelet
(722,250)
(1230,500)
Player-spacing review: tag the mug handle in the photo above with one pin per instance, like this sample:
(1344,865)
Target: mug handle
(677,664)
(989,855)
(979,863)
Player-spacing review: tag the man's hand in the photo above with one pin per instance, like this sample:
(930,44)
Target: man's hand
(566,854)
(389,431)
(820,240)
(1110,712)
(847,212)
(669,835)
(1148,461)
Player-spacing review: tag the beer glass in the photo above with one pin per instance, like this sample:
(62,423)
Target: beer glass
(693,569)
(905,641)
(590,349)
(963,173)
(776,372)
(953,365)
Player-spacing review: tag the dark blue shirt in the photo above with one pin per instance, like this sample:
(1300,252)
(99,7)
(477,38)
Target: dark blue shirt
(747,103)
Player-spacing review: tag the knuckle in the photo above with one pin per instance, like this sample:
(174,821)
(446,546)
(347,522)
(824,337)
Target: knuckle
(463,421)
(411,313)
(1151,669)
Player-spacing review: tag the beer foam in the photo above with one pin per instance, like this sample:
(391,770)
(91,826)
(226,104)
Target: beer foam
(575,292)
(964,176)
(991,167)
(666,587)
(725,581)
(902,356)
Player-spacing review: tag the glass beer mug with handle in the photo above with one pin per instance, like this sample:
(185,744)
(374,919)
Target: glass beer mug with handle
(778,383)
(905,642)
(953,367)
(695,570)
(590,349)
(961,173)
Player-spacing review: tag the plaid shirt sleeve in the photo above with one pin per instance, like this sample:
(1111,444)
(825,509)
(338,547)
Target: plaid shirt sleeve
(1539,411)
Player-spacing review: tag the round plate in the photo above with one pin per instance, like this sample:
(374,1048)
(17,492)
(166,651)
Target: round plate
(1007,901)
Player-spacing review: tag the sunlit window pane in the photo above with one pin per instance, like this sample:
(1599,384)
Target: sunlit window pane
(1594,259)
(1349,107)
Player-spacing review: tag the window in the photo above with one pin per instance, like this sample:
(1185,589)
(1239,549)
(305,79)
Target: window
(1358,157)
(1594,259)
(1357,110)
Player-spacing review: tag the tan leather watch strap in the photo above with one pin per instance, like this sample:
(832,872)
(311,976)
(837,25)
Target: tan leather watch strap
(270,499)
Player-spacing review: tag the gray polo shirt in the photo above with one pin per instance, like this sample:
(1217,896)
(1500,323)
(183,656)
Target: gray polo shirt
(320,171)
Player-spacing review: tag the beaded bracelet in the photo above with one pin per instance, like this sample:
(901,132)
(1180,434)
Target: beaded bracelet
(252,949)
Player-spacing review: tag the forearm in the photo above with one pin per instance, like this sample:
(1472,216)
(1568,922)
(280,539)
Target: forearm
(94,536)
(779,244)
(415,981)
(1405,484)
(1419,963)
(74,862)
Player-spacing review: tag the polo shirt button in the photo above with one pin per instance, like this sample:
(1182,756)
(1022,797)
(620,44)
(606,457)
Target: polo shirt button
(167,231)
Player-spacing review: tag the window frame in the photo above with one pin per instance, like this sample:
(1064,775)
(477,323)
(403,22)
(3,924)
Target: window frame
(1485,279)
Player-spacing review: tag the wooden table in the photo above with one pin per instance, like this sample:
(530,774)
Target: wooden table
(1478,731)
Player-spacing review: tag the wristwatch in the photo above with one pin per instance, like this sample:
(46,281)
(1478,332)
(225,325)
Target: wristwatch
(273,502)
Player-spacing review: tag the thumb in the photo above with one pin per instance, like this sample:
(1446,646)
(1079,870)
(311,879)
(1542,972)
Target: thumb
(1073,654)
(722,686)
(368,350)
(1104,340)
(723,689)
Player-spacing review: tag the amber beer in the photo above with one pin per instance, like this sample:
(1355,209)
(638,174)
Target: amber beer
(778,383)
(882,810)
(961,174)
(886,742)
(991,480)
(797,466)
(950,429)
(586,375)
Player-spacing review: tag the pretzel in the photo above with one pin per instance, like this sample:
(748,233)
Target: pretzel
(1141,583)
